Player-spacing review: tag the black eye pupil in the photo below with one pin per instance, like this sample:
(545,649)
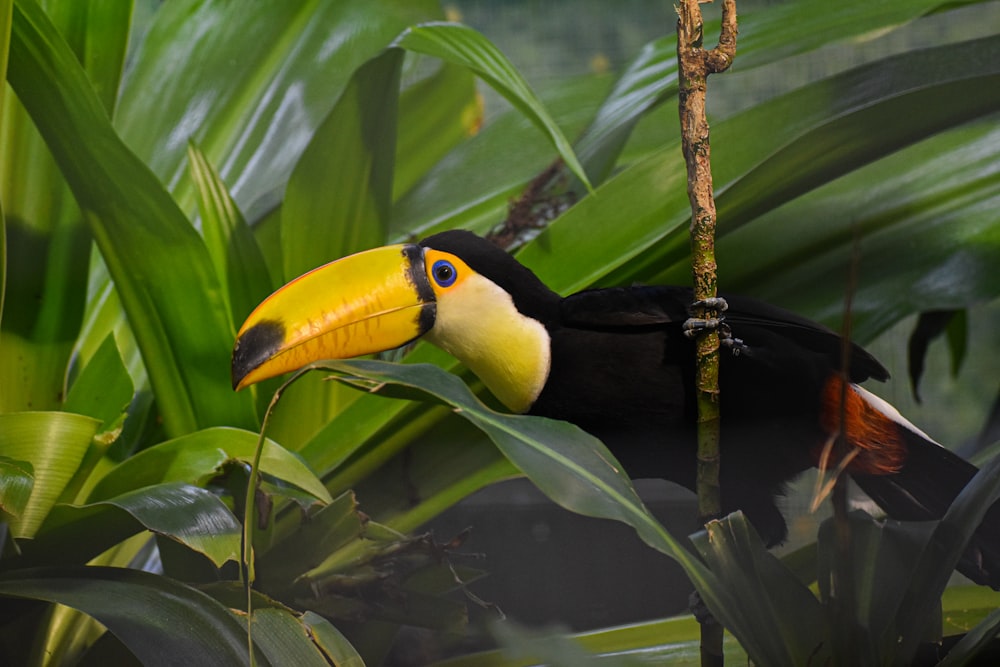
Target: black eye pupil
(444,273)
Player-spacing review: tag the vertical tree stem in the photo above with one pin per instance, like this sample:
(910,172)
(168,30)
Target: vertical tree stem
(695,64)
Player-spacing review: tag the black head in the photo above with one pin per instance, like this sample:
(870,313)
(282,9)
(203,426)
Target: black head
(531,296)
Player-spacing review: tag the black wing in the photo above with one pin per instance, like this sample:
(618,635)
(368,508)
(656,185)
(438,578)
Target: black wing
(764,328)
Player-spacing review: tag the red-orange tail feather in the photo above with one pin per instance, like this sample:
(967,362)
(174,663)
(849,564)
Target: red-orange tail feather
(906,473)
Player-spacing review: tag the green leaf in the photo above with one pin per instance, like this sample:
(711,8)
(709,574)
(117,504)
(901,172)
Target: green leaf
(462,45)
(338,197)
(198,519)
(333,644)
(103,389)
(938,558)
(285,639)
(161,269)
(783,622)
(763,157)
(473,185)
(49,244)
(435,114)
(54,443)
(16,481)
(249,84)
(162,622)
(766,35)
(237,258)
(318,536)
(571,467)
(337,202)
(933,198)
(198,457)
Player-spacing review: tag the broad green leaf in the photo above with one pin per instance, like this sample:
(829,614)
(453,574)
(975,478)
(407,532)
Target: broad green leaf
(54,443)
(333,644)
(767,34)
(435,115)
(784,620)
(163,622)
(49,244)
(161,269)
(285,639)
(318,536)
(6,6)
(648,81)
(103,389)
(237,258)
(198,457)
(940,555)
(368,418)
(473,185)
(337,202)
(249,84)
(762,158)
(338,197)
(934,198)
(883,556)
(571,467)
(462,45)
(16,481)
(98,32)
(198,519)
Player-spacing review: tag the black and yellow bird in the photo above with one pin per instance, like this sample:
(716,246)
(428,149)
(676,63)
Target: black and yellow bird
(618,363)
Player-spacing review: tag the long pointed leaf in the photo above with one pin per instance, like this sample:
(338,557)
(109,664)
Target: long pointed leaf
(238,260)
(462,45)
(54,443)
(198,457)
(771,153)
(571,467)
(339,194)
(160,267)
(785,620)
(50,245)
(190,515)
(16,481)
(250,84)
(161,621)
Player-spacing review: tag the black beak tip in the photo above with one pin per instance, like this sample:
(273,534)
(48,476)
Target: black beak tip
(254,347)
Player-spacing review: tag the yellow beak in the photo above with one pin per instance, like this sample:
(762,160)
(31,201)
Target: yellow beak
(368,302)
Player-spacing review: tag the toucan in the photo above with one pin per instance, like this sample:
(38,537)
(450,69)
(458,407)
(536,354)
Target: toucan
(619,363)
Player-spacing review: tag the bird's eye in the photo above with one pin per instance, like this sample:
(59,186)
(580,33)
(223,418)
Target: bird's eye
(444,273)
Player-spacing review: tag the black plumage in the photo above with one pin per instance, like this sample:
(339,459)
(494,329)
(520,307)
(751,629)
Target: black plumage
(623,370)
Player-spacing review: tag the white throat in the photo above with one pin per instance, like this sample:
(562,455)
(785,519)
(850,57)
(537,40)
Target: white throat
(480,326)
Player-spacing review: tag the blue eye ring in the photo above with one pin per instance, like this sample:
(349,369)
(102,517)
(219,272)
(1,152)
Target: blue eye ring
(444,273)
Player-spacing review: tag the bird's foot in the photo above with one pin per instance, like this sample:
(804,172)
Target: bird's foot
(695,326)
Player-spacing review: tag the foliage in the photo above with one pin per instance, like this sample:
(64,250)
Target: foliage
(159,179)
